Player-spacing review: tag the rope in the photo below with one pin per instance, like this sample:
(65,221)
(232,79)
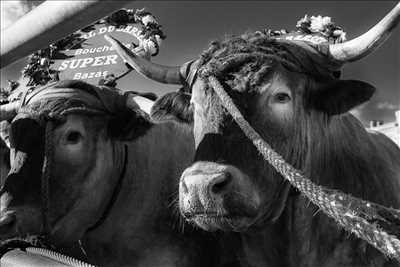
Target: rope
(46,174)
(67,260)
(363,218)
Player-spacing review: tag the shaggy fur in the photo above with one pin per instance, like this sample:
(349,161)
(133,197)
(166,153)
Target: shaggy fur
(140,226)
(329,145)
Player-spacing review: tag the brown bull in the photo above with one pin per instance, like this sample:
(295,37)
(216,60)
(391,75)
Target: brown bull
(4,150)
(288,88)
(109,179)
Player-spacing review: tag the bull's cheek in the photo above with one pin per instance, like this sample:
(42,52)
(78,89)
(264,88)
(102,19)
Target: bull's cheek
(29,220)
(66,232)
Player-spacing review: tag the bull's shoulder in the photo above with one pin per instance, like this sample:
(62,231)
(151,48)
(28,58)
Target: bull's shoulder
(383,141)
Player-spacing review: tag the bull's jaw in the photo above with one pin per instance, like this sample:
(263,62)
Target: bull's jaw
(213,222)
(213,216)
(218,197)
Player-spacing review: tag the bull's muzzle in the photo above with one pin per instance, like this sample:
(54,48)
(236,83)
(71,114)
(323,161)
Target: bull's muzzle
(212,194)
(205,187)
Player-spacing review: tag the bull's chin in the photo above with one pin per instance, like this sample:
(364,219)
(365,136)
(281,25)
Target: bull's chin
(212,223)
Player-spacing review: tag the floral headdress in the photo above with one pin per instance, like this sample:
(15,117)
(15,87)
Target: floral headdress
(322,26)
(314,34)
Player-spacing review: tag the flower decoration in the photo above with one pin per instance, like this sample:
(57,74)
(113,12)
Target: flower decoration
(149,19)
(323,26)
(3,96)
(304,24)
(152,34)
(6,93)
(319,23)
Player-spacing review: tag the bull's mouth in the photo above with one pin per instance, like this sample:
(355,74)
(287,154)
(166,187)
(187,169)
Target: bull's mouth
(210,221)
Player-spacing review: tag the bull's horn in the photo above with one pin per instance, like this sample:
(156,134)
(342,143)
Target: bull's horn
(363,45)
(144,103)
(135,102)
(153,71)
(8,111)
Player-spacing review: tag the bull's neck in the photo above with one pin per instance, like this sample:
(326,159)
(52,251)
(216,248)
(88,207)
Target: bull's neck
(142,216)
(344,157)
(265,247)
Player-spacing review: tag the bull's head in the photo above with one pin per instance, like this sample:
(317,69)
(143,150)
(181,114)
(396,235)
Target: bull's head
(283,87)
(84,158)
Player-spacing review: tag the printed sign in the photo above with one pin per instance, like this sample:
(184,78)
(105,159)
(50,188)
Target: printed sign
(86,55)
(94,58)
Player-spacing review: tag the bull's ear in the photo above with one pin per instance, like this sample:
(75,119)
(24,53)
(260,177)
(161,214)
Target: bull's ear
(129,124)
(341,96)
(173,107)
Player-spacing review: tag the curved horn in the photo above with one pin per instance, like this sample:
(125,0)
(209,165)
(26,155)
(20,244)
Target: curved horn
(144,103)
(135,101)
(159,73)
(9,110)
(365,44)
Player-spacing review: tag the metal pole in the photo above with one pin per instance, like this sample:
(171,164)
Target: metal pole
(50,22)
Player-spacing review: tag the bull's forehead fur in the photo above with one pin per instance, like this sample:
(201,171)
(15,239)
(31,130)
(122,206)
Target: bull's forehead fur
(60,96)
(245,61)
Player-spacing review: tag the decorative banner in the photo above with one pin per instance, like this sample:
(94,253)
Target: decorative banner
(93,59)
(86,55)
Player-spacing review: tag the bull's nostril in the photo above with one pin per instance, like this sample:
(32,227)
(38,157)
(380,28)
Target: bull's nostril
(221,183)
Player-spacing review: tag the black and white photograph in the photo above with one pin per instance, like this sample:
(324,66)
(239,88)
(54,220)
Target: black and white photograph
(199,133)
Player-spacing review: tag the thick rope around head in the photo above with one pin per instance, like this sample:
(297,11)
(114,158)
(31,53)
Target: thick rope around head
(369,221)
(46,175)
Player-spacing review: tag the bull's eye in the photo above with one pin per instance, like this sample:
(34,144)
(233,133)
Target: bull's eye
(282,97)
(73,137)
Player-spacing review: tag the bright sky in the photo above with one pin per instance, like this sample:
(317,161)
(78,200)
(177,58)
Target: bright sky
(190,26)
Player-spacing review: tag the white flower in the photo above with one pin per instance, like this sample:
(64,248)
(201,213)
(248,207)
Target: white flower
(140,35)
(158,39)
(148,19)
(130,12)
(150,47)
(44,62)
(302,21)
(340,35)
(318,24)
